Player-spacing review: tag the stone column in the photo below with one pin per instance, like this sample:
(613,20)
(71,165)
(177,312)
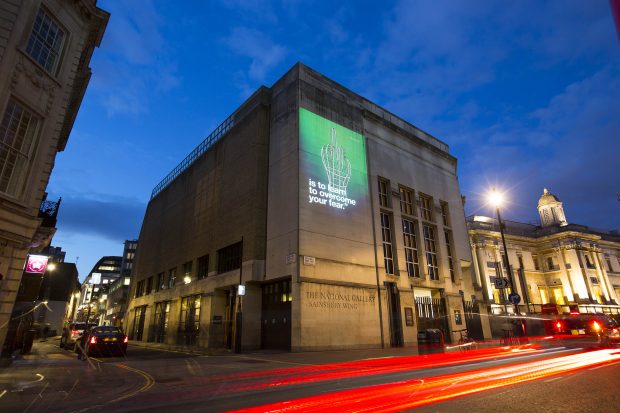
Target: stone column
(602,276)
(565,273)
(483,273)
(584,273)
(474,254)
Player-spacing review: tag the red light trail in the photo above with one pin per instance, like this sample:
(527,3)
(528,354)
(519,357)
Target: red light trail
(395,397)
(336,371)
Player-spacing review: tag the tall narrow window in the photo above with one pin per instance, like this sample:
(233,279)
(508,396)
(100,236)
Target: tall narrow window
(46,41)
(189,323)
(172,277)
(536,262)
(160,324)
(17,141)
(139,289)
(406,200)
(384,193)
(149,285)
(411,248)
(187,271)
(450,250)
(426,207)
(203,267)
(138,323)
(608,262)
(229,258)
(431,252)
(445,214)
(386,234)
(160,282)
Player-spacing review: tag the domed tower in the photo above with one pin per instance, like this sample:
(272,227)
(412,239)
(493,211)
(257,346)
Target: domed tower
(550,210)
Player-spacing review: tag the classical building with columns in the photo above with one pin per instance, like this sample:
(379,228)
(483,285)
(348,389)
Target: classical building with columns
(570,265)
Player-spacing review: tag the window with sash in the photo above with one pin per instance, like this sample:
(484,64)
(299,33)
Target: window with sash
(388,251)
(46,41)
(17,143)
(411,248)
(431,251)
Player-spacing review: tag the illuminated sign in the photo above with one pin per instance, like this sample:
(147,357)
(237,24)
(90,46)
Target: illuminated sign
(95,278)
(241,290)
(36,264)
(334,163)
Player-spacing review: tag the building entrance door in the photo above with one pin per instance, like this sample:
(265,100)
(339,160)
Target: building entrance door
(396,322)
(276,315)
(432,313)
(472,320)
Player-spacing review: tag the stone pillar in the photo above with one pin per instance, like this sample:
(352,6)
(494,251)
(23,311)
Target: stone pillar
(584,273)
(565,275)
(487,295)
(601,272)
(474,254)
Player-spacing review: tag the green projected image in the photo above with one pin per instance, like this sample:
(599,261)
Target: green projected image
(333,162)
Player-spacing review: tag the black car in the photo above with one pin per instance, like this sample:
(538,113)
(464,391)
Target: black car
(103,341)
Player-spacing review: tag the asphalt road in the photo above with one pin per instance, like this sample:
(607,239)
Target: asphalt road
(592,390)
(53,380)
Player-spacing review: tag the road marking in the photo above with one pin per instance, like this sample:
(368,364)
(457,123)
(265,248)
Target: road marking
(72,387)
(554,379)
(3,393)
(38,396)
(150,381)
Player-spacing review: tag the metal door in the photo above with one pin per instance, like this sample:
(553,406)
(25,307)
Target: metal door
(276,316)
(431,313)
(396,322)
(473,321)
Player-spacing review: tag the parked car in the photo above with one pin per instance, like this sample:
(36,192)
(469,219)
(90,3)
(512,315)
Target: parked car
(103,341)
(72,332)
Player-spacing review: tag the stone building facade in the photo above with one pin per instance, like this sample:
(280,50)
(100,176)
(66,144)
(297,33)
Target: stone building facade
(570,265)
(45,50)
(343,223)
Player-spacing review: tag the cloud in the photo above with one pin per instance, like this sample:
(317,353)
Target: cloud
(134,63)
(114,218)
(263,53)
(570,146)
(442,57)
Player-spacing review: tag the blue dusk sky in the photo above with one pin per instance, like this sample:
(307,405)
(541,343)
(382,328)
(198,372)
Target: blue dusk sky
(526,94)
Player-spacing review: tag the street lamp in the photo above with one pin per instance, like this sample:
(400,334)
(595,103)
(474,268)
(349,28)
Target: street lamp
(46,299)
(496,199)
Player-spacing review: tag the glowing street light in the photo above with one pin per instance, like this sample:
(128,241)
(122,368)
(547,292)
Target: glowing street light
(496,199)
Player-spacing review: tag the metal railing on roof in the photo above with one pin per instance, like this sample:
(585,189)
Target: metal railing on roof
(213,137)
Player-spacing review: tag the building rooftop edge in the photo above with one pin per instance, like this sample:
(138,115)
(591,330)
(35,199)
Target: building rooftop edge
(222,129)
(379,110)
(537,231)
